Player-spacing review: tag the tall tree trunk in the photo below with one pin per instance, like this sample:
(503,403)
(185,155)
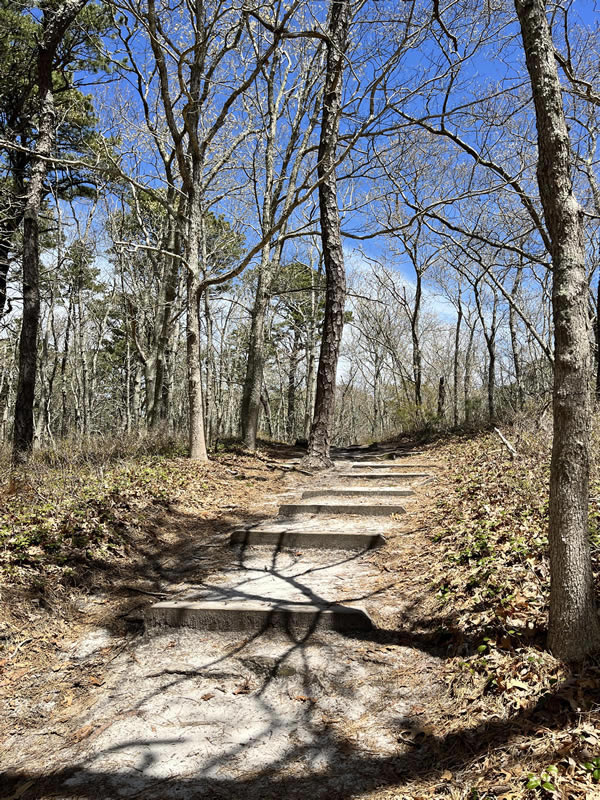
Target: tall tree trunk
(127,397)
(441,398)
(83,362)
(169,382)
(514,339)
(459,317)
(251,394)
(210,401)
(574,629)
(266,404)
(253,382)
(375,398)
(333,254)
(5,386)
(490,341)
(55,26)
(149,386)
(290,426)
(23,425)
(196,438)
(467,377)
(167,303)
(310,362)
(491,379)
(417,361)
(196,435)
(5,244)
(136,395)
(597,331)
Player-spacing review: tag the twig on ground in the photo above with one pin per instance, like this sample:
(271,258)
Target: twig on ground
(507,444)
(283,467)
(18,647)
(145,591)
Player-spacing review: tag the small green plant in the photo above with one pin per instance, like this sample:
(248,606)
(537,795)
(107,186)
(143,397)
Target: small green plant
(483,648)
(593,767)
(543,782)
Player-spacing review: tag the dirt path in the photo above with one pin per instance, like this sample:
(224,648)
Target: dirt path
(272,704)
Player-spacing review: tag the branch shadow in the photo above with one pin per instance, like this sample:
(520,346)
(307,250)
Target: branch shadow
(335,769)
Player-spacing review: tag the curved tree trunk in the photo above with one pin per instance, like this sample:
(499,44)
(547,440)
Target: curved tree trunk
(417,360)
(574,630)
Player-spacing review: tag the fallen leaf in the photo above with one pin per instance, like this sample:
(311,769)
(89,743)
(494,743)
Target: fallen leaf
(243,689)
(95,681)
(208,696)
(514,684)
(83,733)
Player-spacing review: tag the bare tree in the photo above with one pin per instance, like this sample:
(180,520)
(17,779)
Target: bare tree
(292,91)
(574,629)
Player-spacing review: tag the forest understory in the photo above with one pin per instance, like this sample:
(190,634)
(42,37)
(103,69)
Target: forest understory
(87,540)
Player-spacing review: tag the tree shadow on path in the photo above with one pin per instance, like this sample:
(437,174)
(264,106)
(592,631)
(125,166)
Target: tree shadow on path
(354,775)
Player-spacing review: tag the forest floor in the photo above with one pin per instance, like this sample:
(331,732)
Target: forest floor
(452,696)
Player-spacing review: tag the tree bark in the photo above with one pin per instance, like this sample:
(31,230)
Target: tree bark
(251,396)
(253,381)
(573,629)
(467,376)
(416,345)
(210,400)
(55,27)
(290,425)
(490,341)
(441,408)
(168,296)
(459,316)
(514,339)
(83,362)
(266,404)
(333,254)
(311,336)
(597,332)
(196,436)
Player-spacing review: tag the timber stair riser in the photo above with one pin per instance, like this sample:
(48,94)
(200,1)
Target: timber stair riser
(214,616)
(320,540)
(358,491)
(292,509)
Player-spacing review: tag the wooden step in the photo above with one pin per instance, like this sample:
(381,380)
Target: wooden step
(358,491)
(234,614)
(321,539)
(352,509)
